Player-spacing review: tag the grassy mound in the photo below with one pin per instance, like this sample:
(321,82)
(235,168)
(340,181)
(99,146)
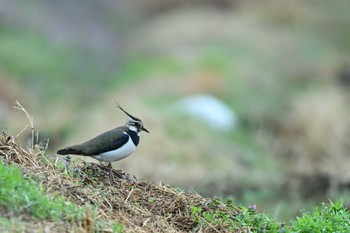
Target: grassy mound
(44,192)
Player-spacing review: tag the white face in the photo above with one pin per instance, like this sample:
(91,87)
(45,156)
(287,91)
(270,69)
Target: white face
(134,125)
(132,128)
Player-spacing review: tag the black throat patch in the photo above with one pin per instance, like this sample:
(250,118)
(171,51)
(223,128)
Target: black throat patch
(134,137)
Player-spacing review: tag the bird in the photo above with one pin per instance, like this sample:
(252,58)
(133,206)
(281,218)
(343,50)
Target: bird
(111,146)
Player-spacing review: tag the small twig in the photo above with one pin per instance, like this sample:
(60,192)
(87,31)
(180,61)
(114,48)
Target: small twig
(36,141)
(56,161)
(127,198)
(80,198)
(210,225)
(106,201)
(47,144)
(34,165)
(43,156)
(31,121)
(144,223)
(21,131)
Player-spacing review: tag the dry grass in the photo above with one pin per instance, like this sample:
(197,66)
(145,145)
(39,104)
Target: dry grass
(314,141)
(139,205)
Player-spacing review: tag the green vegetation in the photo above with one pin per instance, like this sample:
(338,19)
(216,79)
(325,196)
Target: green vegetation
(233,218)
(11,225)
(24,203)
(117,227)
(333,217)
(19,197)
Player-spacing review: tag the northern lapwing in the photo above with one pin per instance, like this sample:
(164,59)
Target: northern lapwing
(112,145)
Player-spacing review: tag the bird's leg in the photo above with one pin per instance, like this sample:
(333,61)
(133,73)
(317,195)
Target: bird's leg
(111,177)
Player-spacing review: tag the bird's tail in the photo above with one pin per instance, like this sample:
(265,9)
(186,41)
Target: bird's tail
(68,150)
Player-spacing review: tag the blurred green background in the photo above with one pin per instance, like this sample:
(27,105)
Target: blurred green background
(282,67)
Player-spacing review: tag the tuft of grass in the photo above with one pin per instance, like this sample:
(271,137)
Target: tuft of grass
(258,222)
(333,217)
(23,196)
(222,214)
(117,227)
(10,225)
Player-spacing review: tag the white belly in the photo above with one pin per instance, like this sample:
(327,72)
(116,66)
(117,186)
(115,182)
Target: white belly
(117,154)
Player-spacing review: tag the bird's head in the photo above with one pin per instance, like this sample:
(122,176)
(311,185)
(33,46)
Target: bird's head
(133,123)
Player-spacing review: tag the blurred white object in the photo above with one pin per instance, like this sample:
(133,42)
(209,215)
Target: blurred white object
(208,109)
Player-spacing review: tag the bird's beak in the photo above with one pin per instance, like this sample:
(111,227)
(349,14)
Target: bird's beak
(144,129)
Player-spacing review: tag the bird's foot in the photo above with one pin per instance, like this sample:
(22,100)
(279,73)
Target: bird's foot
(111,176)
